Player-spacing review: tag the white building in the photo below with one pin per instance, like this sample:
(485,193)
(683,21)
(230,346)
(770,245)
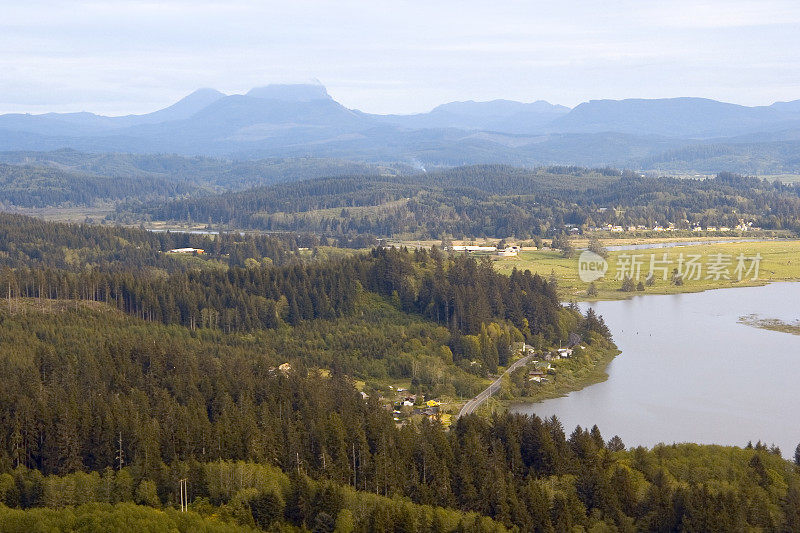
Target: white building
(186,251)
(565,352)
(509,251)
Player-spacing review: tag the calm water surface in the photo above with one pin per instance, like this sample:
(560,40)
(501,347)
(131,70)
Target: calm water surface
(690,372)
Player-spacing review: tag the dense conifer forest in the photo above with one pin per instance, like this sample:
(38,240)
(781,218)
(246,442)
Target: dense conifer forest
(111,265)
(125,368)
(230,303)
(31,186)
(493,201)
(68,178)
(101,407)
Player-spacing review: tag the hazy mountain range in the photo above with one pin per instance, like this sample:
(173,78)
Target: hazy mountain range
(680,134)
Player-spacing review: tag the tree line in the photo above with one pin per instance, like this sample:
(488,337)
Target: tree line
(493,201)
(36,186)
(66,178)
(31,242)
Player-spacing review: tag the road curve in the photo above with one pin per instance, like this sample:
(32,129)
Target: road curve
(476,402)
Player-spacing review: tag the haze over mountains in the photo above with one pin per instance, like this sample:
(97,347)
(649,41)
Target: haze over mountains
(676,134)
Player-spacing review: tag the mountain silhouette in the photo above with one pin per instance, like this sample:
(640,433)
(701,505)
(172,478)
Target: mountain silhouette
(303,120)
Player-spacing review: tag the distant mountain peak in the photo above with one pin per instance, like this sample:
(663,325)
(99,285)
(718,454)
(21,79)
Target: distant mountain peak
(205,93)
(182,109)
(291,92)
(199,98)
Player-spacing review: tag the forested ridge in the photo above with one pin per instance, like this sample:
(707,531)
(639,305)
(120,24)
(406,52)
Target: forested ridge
(100,407)
(68,178)
(344,200)
(493,201)
(32,186)
(124,369)
(31,242)
(769,156)
(126,269)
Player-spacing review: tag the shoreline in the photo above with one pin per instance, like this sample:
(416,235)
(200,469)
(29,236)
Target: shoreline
(585,377)
(622,295)
(779,260)
(597,372)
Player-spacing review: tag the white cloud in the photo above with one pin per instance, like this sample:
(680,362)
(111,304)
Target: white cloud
(401,56)
(709,15)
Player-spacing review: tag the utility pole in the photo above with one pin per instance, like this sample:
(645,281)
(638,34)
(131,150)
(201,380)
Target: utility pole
(184,494)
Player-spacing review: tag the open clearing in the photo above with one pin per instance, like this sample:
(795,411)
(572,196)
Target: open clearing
(780,261)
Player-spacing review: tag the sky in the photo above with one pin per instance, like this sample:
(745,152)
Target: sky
(119,57)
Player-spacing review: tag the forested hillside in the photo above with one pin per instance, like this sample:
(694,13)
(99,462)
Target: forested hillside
(458,293)
(31,186)
(124,369)
(354,202)
(773,157)
(99,407)
(67,178)
(493,201)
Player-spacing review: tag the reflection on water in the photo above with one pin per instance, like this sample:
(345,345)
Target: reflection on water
(689,371)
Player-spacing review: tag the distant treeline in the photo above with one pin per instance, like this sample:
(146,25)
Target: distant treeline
(493,201)
(32,186)
(32,242)
(66,178)
(767,157)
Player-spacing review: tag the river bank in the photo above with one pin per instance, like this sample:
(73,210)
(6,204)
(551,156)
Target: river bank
(692,371)
(779,261)
(588,366)
(715,265)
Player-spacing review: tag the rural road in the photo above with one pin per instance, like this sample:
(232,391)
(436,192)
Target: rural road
(474,403)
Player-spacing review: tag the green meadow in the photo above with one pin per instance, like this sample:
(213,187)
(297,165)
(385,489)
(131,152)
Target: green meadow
(716,268)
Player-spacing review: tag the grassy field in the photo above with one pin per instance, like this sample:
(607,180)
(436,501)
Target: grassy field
(780,261)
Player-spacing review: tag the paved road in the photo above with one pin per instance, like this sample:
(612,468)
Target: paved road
(474,403)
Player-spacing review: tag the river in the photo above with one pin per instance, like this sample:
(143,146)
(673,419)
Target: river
(690,372)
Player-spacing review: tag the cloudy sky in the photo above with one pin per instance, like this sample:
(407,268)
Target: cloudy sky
(118,57)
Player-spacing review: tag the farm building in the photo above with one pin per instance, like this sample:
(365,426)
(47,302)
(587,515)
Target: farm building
(509,251)
(187,251)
